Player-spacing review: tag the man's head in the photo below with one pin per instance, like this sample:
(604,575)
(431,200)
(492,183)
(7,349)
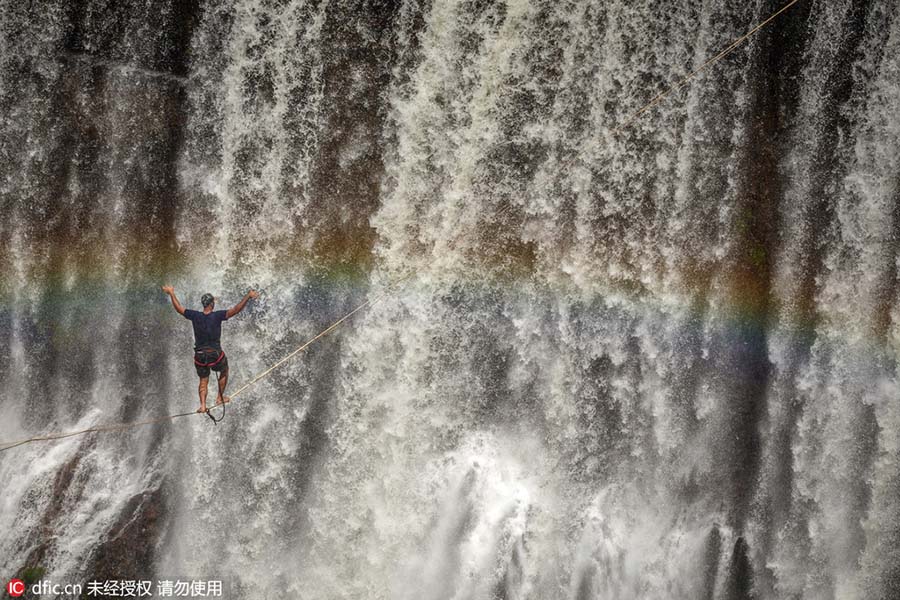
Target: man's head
(208,301)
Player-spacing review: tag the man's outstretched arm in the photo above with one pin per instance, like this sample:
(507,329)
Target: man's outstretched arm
(240,305)
(175,303)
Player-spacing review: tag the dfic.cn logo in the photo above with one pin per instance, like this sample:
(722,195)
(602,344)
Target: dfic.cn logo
(16,587)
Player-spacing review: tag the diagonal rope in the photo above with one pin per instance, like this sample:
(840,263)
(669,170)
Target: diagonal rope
(114,427)
(313,340)
(628,121)
(680,84)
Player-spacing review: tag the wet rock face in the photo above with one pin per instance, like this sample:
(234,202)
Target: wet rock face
(53,515)
(127,552)
(130,549)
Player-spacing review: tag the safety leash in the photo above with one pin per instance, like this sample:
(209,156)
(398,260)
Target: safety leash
(209,410)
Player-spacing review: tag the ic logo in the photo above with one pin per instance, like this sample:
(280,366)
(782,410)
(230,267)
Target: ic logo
(15,587)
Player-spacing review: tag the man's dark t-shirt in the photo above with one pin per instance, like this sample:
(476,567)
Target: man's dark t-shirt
(207,328)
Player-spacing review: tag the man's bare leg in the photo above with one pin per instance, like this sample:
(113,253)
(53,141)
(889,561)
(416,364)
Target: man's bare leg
(223,381)
(204,381)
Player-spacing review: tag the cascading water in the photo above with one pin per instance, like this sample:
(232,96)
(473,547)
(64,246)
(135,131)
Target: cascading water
(651,363)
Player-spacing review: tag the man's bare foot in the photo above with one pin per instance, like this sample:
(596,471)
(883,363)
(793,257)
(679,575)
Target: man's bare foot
(202,409)
(222,400)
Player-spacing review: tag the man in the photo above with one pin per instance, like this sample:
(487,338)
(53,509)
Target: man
(208,352)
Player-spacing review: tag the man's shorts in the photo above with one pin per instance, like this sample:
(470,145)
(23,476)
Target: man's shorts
(205,357)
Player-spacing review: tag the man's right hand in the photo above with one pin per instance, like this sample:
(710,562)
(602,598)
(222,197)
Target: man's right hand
(175,303)
(253,294)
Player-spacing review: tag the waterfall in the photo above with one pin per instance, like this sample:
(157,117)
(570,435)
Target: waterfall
(652,363)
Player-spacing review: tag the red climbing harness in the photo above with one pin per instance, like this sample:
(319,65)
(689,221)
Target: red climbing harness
(207,354)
